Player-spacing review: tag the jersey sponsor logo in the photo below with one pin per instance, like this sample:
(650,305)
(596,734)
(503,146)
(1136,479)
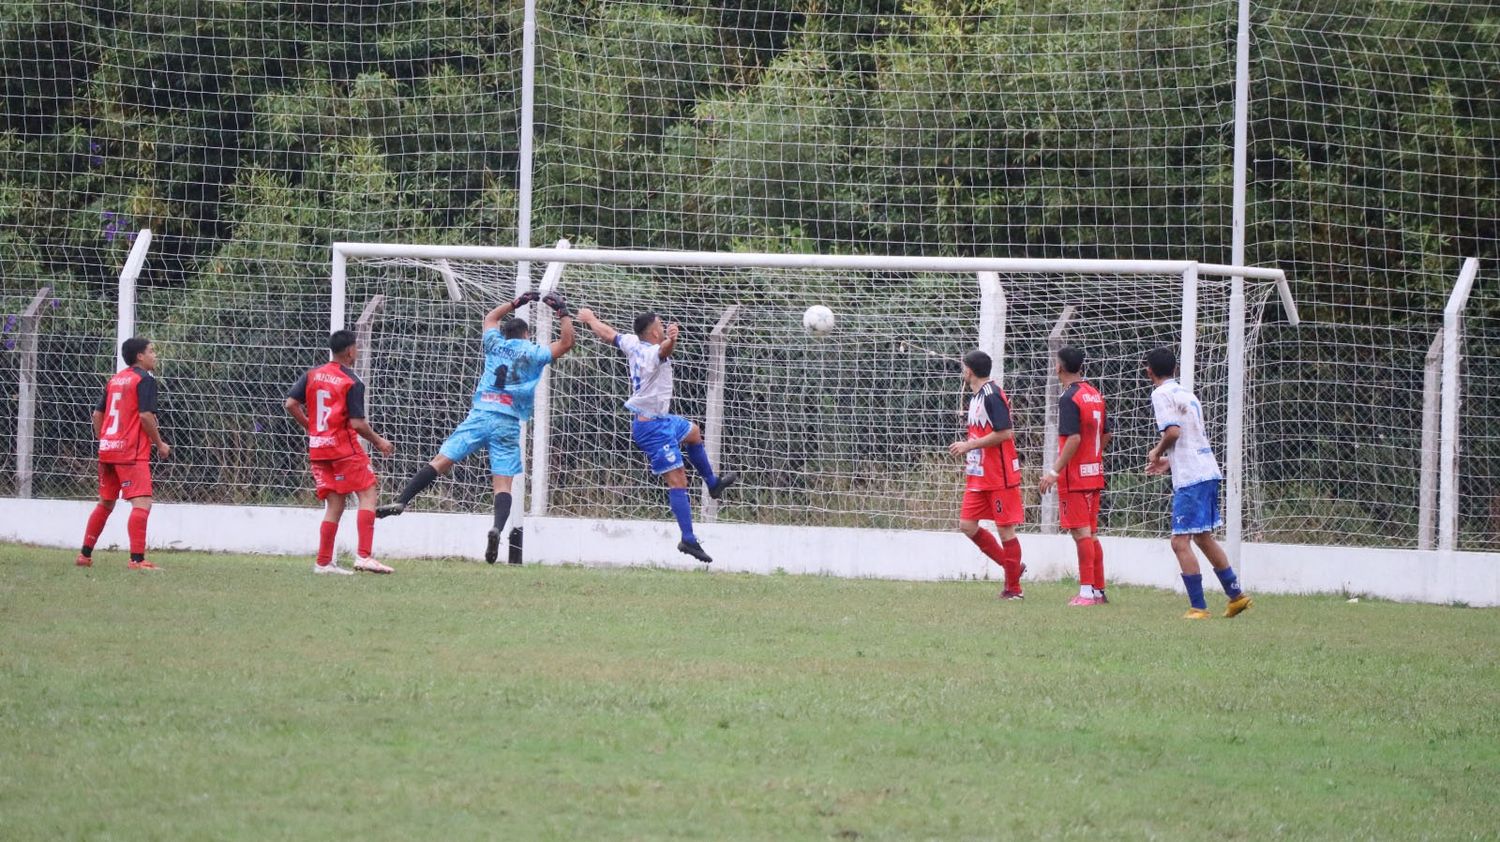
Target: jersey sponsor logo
(497,397)
(1091,469)
(113,444)
(322,441)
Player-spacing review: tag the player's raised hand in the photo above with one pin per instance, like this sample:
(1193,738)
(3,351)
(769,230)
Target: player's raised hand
(384,445)
(163,450)
(525,298)
(672,331)
(959,448)
(559,305)
(585,315)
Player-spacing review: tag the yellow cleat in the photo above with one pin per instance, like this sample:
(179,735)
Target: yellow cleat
(1197,614)
(1238,605)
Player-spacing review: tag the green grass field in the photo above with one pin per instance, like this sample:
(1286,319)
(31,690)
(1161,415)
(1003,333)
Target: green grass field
(242,697)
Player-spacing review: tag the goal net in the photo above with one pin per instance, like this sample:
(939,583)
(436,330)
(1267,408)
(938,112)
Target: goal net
(847,429)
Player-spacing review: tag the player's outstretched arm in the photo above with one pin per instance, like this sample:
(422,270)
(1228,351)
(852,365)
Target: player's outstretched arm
(566,336)
(493,318)
(600,327)
(362,428)
(669,344)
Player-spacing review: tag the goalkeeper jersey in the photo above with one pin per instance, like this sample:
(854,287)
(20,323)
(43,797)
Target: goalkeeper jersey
(512,370)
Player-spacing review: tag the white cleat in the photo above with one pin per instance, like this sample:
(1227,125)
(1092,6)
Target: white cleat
(370,565)
(332,568)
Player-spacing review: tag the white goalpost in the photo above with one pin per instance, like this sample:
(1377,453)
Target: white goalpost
(847,430)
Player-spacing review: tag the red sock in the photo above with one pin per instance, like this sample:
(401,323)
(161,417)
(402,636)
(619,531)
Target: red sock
(365,520)
(1085,561)
(137,530)
(1013,564)
(96,525)
(1098,564)
(326,533)
(989,546)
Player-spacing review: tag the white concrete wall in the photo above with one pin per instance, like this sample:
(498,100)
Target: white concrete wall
(1406,575)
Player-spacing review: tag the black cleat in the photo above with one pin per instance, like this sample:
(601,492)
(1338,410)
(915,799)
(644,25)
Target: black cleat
(725,480)
(492,547)
(390,509)
(694,549)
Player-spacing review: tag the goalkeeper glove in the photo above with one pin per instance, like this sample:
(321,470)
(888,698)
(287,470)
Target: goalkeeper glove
(525,298)
(558,304)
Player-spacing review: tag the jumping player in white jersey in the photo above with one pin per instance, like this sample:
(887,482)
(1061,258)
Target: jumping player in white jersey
(664,438)
(1185,451)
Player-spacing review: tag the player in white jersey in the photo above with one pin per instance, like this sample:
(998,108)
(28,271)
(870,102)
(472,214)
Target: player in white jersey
(1184,450)
(664,438)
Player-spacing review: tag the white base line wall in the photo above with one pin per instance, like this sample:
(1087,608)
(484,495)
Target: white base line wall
(1404,575)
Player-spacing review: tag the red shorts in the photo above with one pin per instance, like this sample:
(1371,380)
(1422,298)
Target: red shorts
(1002,505)
(124,479)
(1078,509)
(342,476)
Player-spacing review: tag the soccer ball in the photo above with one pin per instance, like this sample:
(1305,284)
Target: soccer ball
(818,320)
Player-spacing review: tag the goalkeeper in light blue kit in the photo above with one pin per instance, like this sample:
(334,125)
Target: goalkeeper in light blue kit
(665,438)
(513,367)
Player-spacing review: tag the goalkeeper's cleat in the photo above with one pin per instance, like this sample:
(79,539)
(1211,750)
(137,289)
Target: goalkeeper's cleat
(694,549)
(1197,614)
(370,565)
(141,565)
(1015,594)
(492,547)
(390,509)
(725,480)
(83,561)
(331,568)
(1238,604)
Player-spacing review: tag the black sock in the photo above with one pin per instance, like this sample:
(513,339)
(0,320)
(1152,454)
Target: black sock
(419,481)
(502,509)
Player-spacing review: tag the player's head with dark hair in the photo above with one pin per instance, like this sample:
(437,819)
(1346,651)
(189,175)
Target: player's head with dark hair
(340,341)
(1071,359)
(979,363)
(515,329)
(644,322)
(134,348)
(1161,362)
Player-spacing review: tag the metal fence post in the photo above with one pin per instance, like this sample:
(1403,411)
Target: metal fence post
(31,320)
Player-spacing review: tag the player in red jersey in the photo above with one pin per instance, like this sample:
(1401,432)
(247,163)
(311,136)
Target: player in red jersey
(125,426)
(1083,431)
(340,465)
(992,490)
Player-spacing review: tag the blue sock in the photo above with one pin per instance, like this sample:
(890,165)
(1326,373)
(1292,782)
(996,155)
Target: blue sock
(1230,582)
(1194,585)
(682,509)
(697,455)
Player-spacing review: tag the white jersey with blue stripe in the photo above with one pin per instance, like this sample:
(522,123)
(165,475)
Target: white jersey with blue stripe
(1191,457)
(522,362)
(650,376)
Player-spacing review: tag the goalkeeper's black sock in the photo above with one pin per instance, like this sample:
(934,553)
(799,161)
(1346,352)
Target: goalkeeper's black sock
(502,509)
(418,482)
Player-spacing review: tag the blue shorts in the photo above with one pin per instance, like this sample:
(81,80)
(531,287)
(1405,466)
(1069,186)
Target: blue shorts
(1195,508)
(661,440)
(497,431)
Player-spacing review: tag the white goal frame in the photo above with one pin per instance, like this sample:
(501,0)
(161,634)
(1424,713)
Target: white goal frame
(989,273)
